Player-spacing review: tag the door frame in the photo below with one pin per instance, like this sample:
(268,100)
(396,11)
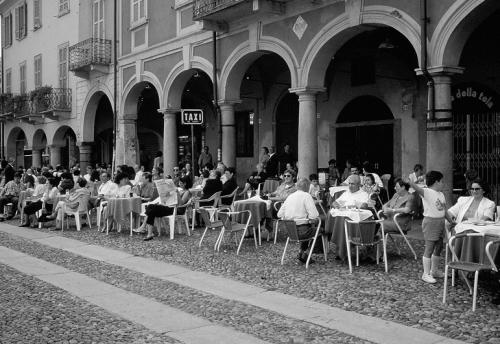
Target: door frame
(396,139)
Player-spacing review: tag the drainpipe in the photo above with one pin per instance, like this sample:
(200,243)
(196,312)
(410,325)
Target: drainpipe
(115,81)
(2,124)
(216,96)
(424,21)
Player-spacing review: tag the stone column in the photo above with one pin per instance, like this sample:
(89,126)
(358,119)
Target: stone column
(36,157)
(439,129)
(126,141)
(169,140)
(55,155)
(85,155)
(228,133)
(308,133)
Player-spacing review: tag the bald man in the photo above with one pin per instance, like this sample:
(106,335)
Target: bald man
(354,196)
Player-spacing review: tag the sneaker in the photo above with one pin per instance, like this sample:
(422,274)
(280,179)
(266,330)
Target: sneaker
(437,274)
(428,278)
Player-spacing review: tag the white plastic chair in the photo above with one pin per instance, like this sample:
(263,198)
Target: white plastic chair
(81,210)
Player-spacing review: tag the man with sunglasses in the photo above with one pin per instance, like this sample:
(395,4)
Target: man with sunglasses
(286,188)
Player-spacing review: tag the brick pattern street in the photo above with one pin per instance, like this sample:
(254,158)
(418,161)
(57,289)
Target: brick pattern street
(399,296)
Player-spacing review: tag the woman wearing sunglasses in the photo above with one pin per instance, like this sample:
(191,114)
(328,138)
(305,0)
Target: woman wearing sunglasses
(476,206)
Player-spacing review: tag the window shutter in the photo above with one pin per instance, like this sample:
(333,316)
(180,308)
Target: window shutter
(4,32)
(37,21)
(17,22)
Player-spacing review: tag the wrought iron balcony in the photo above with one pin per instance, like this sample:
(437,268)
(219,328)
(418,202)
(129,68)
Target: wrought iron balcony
(86,55)
(223,11)
(54,103)
(218,9)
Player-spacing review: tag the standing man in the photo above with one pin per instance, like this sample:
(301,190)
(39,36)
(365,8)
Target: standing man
(9,171)
(300,207)
(205,158)
(286,158)
(272,163)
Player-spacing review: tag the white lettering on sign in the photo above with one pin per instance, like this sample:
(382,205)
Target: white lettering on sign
(192,116)
(470,92)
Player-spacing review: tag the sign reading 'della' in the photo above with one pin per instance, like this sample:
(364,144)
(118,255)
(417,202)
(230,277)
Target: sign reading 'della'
(470,92)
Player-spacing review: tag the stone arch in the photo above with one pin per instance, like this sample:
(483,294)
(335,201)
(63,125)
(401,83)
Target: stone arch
(90,105)
(333,36)
(60,133)
(133,90)
(241,59)
(11,141)
(39,139)
(455,27)
(178,78)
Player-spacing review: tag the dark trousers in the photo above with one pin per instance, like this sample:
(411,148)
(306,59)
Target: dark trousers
(33,207)
(157,210)
(9,199)
(304,232)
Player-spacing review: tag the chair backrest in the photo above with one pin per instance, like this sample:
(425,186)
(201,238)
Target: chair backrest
(231,196)
(362,233)
(482,256)
(290,228)
(83,203)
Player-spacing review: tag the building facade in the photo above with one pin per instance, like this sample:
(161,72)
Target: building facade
(350,79)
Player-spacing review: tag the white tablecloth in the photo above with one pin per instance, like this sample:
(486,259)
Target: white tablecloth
(354,214)
(487,227)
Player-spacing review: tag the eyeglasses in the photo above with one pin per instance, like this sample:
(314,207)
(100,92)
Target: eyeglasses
(475,189)
(287,175)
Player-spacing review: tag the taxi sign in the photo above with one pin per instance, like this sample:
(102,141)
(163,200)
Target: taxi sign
(192,116)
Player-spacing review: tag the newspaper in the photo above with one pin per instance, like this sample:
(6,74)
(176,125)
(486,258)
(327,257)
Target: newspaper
(167,191)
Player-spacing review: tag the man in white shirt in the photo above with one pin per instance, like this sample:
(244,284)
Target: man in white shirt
(88,175)
(299,206)
(354,196)
(108,188)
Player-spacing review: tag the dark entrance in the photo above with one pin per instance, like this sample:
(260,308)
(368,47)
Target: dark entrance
(365,133)
(287,124)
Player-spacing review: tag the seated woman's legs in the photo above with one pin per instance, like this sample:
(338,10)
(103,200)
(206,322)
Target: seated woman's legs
(153,211)
(29,210)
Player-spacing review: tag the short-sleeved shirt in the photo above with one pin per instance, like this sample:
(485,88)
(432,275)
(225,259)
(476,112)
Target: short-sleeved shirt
(434,203)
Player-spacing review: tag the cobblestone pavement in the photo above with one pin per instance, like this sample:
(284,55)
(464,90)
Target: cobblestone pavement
(260,323)
(398,296)
(32,311)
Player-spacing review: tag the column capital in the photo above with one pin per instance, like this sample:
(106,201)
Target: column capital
(228,102)
(166,111)
(442,70)
(307,90)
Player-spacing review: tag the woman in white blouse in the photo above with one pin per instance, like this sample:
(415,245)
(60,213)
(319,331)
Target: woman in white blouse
(476,206)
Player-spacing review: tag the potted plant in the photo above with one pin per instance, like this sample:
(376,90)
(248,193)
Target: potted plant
(6,102)
(40,98)
(20,103)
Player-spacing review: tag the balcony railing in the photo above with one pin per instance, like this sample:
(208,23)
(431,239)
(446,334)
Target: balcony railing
(203,8)
(92,51)
(20,105)
(57,100)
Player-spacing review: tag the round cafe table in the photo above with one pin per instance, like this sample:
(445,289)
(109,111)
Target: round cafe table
(472,249)
(119,208)
(335,226)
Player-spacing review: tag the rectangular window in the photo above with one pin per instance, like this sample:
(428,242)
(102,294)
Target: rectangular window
(244,133)
(63,65)
(7,30)
(37,66)
(22,78)
(21,22)
(138,12)
(63,7)
(37,14)
(8,81)
(98,19)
